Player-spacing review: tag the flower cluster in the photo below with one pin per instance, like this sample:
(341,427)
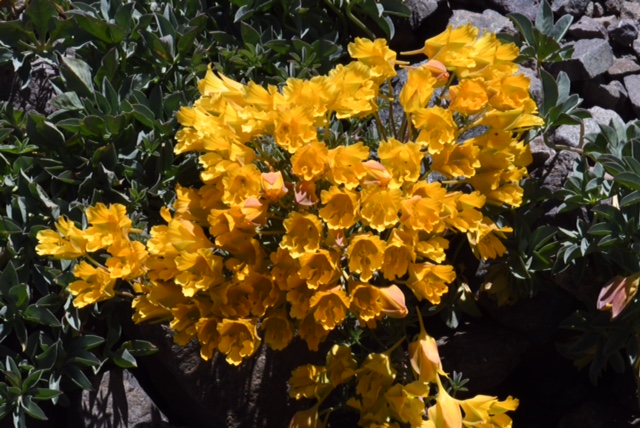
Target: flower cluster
(301,222)
(383,401)
(109,231)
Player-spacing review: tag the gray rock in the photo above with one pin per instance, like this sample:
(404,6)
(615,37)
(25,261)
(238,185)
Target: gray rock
(118,401)
(598,10)
(540,152)
(572,7)
(420,11)
(630,10)
(613,7)
(489,20)
(587,28)
(569,135)
(591,58)
(606,21)
(535,86)
(612,95)
(528,8)
(623,67)
(632,83)
(624,32)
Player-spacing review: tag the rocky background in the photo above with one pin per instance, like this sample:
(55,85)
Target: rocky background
(509,351)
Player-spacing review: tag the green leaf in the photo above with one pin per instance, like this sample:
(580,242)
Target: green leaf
(124,359)
(31,380)
(77,74)
(143,114)
(629,180)
(8,278)
(105,31)
(20,294)
(45,394)
(43,133)
(524,26)
(139,348)
(561,27)
(87,342)
(32,408)
(249,35)
(39,12)
(48,358)
(549,91)
(630,199)
(544,18)
(67,101)
(41,315)
(78,377)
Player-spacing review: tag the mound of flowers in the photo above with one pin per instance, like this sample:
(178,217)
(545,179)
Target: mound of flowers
(314,212)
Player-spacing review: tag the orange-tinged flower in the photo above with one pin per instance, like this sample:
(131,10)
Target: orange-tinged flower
(272,185)
(93,285)
(329,307)
(424,356)
(240,184)
(341,207)
(238,339)
(345,165)
(366,253)
(375,54)
(393,302)
(446,412)
(305,193)
(402,160)
(310,161)
(304,234)
(379,207)
(437,128)
(278,329)
(468,97)
(376,174)
(398,254)
(319,268)
(429,281)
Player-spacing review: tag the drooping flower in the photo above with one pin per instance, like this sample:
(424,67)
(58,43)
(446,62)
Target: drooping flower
(437,128)
(309,381)
(240,184)
(238,339)
(398,254)
(424,356)
(366,253)
(278,329)
(304,232)
(329,307)
(319,268)
(68,243)
(429,281)
(94,284)
(379,207)
(402,160)
(310,161)
(345,165)
(341,364)
(341,207)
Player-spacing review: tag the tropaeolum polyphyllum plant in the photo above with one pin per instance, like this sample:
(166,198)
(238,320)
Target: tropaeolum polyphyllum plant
(312,211)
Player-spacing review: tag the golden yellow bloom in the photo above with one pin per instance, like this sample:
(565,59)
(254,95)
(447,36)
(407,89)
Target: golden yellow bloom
(341,365)
(484,239)
(451,47)
(446,412)
(457,160)
(433,248)
(365,302)
(312,332)
(285,270)
(429,281)
(406,402)
(341,207)
(144,310)
(366,253)
(310,161)
(304,234)
(329,307)
(393,302)
(67,244)
(355,90)
(128,261)
(294,128)
(307,419)
(309,381)
(379,207)
(222,86)
(185,318)
(512,93)
(345,165)
(314,94)
(199,271)
(468,97)
(437,128)
(402,160)
(238,339)
(417,92)
(299,298)
(483,410)
(375,54)
(208,337)
(398,254)
(93,285)
(420,213)
(278,329)
(108,224)
(376,174)
(375,376)
(319,268)
(515,120)
(240,184)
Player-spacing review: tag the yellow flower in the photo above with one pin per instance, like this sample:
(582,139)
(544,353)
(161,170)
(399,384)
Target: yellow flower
(365,302)
(446,412)
(402,160)
(375,54)
(341,365)
(294,128)
(393,302)
(93,285)
(424,356)
(433,248)
(484,239)
(406,402)
(240,184)
(278,329)
(398,254)
(188,205)
(310,161)
(199,271)
(355,90)
(128,261)
(304,233)
(309,381)
(376,174)
(299,299)
(208,337)
(483,410)
(68,243)
(451,47)
(319,268)
(417,92)
(379,207)
(238,339)
(340,209)
(314,94)
(185,318)
(516,120)
(221,86)
(468,97)
(108,224)
(307,419)
(429,281)
(285,270)
(366,253)
(421,213)
(345,165)
(329,307)
(144,310)
(457,160)
(437,128)
(375,376)
(512,93)
(312,332)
